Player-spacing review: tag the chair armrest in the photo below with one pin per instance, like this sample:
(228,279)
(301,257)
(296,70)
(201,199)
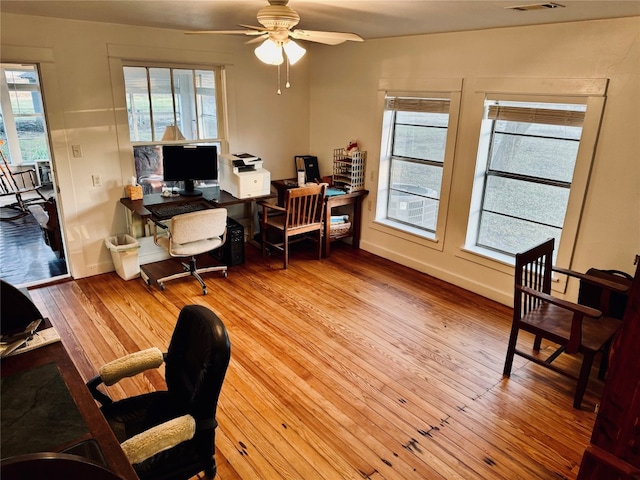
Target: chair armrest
(126,366)
(574,307)
(130,365)
(272,206)
(159,438)
(601,282)
(579,312)
(156,224)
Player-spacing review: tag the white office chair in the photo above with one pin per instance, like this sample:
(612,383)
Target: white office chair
(190,234)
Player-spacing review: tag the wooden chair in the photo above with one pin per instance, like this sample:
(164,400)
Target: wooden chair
(16,184)
(301,214)
(573,327)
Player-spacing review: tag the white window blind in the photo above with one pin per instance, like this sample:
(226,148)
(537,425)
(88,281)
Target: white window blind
(546,116)
(405,104)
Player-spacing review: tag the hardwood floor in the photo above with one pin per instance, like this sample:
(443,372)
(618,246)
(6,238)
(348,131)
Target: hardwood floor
(346,368)
(25,258)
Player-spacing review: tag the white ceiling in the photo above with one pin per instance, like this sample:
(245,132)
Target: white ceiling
(368,18)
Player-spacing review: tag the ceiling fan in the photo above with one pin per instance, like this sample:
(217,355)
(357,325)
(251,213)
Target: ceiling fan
(276,34)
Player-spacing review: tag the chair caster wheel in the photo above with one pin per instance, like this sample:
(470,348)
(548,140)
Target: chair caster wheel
(204,291)
(224,274)
(162,287)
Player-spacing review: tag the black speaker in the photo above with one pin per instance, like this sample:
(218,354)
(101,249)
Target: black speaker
(232,252)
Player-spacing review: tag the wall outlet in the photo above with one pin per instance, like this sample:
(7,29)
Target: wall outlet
(97,180)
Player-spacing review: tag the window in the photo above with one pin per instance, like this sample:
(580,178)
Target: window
(170,105)
(158,98)
(414,142)
(534,141)
(22,122)
(526,161)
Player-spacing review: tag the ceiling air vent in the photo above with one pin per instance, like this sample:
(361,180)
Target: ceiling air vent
(535,6)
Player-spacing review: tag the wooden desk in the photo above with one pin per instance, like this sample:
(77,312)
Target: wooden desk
(355,199)
(97,427)
(217,197)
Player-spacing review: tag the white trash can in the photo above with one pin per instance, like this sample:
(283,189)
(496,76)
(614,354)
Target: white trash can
(124,252)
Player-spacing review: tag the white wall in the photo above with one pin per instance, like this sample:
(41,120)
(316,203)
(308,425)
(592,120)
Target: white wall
(333,99)
(82,109)
(344,105)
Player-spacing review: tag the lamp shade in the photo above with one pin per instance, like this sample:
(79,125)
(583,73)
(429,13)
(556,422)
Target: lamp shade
(171,132)
(270,52)
(294,51)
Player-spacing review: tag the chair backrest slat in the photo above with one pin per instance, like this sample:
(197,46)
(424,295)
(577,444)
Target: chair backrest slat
(304,205)
(533,270)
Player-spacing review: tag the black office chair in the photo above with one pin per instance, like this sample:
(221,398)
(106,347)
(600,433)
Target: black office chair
(171,434)
(16,309)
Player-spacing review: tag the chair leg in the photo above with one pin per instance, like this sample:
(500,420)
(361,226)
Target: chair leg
(583,378)
(285,250)
(537,342)
(263,236)
(604,361)
(511,349)
(193,269)
(319,244)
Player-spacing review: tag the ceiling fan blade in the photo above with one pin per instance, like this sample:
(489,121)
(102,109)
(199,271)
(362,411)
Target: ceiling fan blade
(328,38)
(258,39)
(224,32)
(253,27)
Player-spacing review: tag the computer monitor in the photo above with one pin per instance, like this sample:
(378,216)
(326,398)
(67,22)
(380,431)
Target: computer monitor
(187,163)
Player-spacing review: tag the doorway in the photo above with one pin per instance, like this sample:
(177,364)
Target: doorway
(32,250)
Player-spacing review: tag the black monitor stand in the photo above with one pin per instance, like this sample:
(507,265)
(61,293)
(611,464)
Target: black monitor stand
(189,189)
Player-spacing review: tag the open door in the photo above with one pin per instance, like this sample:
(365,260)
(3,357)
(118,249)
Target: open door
(32,247)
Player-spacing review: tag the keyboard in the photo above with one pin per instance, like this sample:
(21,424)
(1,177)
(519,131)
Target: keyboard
(165,212)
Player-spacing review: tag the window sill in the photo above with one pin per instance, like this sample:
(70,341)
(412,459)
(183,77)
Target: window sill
(503,263)
(406,232)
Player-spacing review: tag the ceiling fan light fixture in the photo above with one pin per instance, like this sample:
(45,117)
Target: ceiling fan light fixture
(294,51)
(270,52)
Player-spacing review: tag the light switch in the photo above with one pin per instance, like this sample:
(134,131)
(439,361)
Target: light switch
(77,151)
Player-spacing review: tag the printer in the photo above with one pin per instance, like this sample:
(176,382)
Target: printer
(242,175)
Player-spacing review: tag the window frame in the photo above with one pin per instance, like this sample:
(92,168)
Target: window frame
(121,54)
(450,89)
(590,92)
(13,145)
(392,108)
(489,123)
(218,71)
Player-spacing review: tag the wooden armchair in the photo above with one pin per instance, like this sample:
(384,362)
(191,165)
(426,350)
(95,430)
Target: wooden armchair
(17,184)
(302,214)
(573,327)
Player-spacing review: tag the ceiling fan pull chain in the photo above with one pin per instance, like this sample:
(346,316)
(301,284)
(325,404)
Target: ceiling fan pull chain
(279,91)
(287,85)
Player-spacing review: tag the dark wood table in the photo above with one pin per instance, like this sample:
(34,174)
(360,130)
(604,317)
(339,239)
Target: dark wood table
(354,198)
(93,426)
(215,196)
